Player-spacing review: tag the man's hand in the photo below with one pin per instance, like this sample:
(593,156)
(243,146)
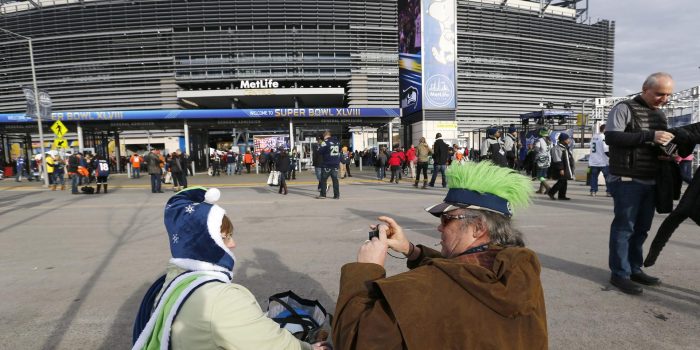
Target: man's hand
(561,172)
(662,137)
(374,251)
(395,238)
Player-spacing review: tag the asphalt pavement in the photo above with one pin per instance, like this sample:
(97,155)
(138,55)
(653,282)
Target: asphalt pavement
(73,268)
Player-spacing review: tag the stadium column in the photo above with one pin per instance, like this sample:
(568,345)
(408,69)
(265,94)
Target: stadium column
(291,135)
(80,138)
(117,153)
(391,136)
(187,143)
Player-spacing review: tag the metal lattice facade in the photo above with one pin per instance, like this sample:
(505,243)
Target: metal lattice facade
(510,60)
(125,55)
(137,54)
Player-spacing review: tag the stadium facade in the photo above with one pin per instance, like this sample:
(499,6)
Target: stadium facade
(295,57)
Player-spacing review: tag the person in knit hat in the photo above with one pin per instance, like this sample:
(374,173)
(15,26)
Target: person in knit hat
(200,307)
(492,148)
(482,290)
(563,164)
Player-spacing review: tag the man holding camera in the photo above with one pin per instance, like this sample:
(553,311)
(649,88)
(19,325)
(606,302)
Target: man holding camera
(634,132)
(482,290)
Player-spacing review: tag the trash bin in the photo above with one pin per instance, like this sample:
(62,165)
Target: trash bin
(8,171)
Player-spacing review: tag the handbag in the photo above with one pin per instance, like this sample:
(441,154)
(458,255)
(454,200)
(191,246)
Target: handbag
(274,179)
(306,319)
(168,178)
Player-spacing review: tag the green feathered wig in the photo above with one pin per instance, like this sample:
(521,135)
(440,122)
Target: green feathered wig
(484,186)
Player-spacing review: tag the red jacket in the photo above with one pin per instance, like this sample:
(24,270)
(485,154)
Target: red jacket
(411,154)
(396,159)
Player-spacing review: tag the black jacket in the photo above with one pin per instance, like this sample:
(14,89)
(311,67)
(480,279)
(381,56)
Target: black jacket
(282,162)
(441,152)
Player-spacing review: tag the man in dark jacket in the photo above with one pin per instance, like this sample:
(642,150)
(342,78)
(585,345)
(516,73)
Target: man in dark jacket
(153,164)
(330,151)
(441,153)
(634,131)
(563,164)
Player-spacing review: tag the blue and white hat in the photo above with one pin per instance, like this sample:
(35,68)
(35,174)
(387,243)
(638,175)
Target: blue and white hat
(193,222)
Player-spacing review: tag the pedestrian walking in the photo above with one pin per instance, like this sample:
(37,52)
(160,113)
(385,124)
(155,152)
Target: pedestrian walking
(441,154)
(330,151)
(153,165)
(598,161)
(563,164)
(101,173)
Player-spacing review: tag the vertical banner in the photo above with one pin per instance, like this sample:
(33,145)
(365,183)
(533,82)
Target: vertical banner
(410,70)
(440,52)
(31,105)
(45,104)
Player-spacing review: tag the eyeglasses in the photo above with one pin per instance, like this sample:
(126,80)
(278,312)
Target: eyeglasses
(446,218)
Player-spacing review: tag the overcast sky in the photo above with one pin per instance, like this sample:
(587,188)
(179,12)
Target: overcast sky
(651,36)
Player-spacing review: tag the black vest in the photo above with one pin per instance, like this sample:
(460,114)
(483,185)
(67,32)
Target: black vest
(640,161)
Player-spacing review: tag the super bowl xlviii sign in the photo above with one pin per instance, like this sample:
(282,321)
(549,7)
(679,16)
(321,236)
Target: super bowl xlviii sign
(259,84)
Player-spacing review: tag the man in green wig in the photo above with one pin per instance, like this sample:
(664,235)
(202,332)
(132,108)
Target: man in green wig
(482,290)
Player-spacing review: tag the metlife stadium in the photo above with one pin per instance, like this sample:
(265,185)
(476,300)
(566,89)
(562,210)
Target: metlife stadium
(295,67)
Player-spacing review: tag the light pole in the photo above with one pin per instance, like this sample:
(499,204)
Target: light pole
(36,105)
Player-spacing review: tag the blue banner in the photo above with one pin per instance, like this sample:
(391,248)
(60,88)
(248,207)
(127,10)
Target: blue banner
(410,65)
(439,54)
(181,114)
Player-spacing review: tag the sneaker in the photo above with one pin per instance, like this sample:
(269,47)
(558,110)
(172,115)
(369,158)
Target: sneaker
(643,278)
(626,285)
(336,197)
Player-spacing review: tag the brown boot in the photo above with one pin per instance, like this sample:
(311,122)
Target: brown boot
(425,184)
(53,187)
(105,185)
(63,187)
(99,187)
(541,189)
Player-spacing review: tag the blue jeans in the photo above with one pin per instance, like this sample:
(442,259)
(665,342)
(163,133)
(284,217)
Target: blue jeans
(441,169)
(74,181)
(137,173)
(333,173)
(686,170)
(595,171)
(381,173)
(634,212)
(155,183)
(318,171)
(230,168)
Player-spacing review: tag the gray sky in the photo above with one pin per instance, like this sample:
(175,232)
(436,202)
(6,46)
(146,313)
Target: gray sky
(651,36)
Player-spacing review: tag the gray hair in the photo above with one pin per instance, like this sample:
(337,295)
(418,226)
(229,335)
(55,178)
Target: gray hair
(499,227)
(653,80)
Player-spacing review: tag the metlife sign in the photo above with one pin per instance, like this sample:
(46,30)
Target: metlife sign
(259,84)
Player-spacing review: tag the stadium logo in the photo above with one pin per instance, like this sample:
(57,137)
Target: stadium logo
(259,84)
(439,90)
(409,97)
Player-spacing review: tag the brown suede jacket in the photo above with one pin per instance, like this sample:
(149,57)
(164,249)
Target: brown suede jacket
(443,304)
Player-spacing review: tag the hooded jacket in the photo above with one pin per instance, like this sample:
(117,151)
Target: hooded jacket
(443,304)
